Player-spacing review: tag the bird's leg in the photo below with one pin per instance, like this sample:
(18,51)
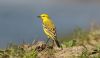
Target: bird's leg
(52,43)
(47,40)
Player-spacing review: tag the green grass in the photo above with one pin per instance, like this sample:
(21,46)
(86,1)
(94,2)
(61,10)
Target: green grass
(14,51)
(78,37)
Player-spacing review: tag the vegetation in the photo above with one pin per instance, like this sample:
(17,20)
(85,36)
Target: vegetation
(83,44)
(15,51)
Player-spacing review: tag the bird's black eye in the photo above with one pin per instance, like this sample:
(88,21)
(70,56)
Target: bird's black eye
(43,16)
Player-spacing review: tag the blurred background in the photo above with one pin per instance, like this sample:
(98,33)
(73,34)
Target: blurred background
(19,22)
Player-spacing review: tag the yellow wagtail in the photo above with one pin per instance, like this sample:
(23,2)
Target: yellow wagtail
(49,28)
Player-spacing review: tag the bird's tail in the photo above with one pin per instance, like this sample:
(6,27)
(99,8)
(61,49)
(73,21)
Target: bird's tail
(57,43)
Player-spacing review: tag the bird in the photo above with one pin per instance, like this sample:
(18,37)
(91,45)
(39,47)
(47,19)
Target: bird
(49,28)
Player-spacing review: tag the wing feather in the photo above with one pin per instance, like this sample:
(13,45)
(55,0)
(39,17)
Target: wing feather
(50,29)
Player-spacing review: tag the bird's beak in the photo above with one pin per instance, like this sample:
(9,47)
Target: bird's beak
(38,16)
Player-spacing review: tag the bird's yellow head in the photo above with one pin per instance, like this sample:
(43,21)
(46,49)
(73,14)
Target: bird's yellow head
(43,16)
